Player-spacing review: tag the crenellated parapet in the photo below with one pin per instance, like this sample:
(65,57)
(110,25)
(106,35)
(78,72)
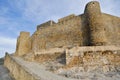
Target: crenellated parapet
(64,19)
(76,44)
(46,24)
(92,28)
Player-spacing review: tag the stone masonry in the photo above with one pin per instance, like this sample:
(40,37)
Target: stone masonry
(92,28)
(23,44)
(89,41)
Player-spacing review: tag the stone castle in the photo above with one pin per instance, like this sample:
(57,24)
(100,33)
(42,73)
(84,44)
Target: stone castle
(93,28)
(90,40)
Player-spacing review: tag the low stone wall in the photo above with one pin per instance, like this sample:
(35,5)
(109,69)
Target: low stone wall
(49,54)
(44,55)
(24,70)
(103,58)
(17,71)
(49,57)
(50,51)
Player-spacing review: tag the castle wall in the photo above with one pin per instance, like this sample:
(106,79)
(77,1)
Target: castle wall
(66,18)
(101,58)
(23,44)
(93,28)
(88,29)
(64,33)
(112,29)
(46,24)
(96,24)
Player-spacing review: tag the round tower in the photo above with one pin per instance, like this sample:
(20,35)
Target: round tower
(96,24)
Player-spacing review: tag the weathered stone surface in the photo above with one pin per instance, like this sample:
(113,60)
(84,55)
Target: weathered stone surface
(106,57)
(96,24)
(75,45)
(23,44)
(58,35)
(92,28)
(24,70)
(17,71)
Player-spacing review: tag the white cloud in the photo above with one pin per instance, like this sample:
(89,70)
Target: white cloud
(35,10)
(7,45)
(42,10)
(38,11)
(7,41)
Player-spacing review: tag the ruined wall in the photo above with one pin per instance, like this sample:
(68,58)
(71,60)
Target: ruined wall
(46,55)
(23,44)
(46,24)
(24,70)
(50,57)
(17,71)
(101,58)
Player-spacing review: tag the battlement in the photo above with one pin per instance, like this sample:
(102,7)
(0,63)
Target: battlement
(66,18)
(92,28)
(46,24)
(51,22)
(89,42)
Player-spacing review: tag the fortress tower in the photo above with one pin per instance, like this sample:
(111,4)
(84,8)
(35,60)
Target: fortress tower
(92,28)
(63,50)
(96,24)
(23,43)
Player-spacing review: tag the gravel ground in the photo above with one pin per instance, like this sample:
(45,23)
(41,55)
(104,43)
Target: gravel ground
(79,74)
(52,71)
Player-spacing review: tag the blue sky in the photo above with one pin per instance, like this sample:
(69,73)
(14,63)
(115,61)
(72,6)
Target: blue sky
(25,15)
